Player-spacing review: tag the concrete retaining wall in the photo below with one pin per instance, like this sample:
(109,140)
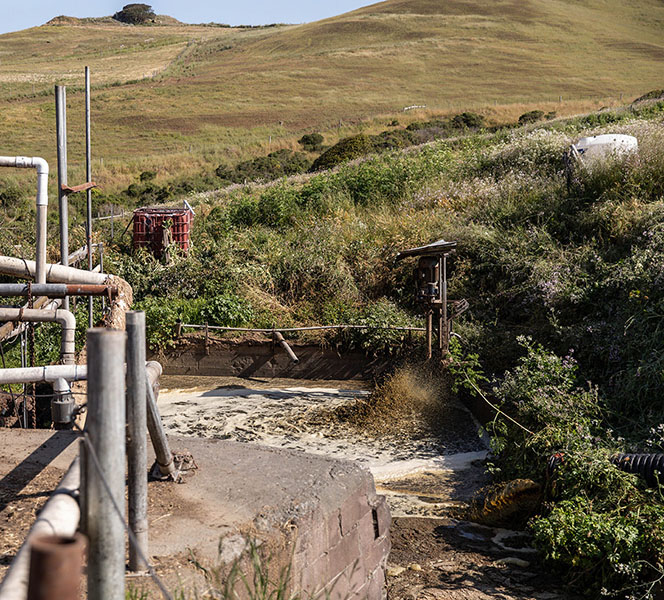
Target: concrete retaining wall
(319,515)
(220,358)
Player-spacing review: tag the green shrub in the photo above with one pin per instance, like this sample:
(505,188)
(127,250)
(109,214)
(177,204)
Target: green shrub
(227,311)
(531,117)
(311,142)
(347,149)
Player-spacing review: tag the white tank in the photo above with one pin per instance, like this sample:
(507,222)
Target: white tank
(597,147)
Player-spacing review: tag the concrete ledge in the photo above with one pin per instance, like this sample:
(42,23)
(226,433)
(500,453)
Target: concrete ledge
(320,515)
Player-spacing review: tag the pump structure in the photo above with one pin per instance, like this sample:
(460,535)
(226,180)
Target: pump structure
(431,291)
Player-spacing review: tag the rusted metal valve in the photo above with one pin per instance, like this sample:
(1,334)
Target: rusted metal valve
(56,565)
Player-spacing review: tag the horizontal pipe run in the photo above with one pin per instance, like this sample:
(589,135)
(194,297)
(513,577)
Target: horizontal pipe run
(48,374)
(60,516)
(56,290)
(51,373)
(12,329)
(55,273)
(312,328)
(63,317)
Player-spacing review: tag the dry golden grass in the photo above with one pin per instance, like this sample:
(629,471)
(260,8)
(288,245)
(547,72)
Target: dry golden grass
(181,98)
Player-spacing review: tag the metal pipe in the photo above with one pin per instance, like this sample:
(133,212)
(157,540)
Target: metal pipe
(446,332)
(105,425)
(56,290)
(66,320)
(137,458)
(60,516)
(55,273)
(162,450)
(63,203)
(88,173)
(284,344)
(35,162)
(56,566)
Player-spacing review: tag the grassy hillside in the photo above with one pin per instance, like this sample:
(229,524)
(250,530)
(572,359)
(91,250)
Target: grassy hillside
(183,97)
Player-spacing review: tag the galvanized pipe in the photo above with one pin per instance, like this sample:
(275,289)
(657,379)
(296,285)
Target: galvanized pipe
(88,173)
(55,273)
(66,320)
(56,290)
(63,203)
(60,516)
(106,430)
(48,374)
(35,162)
(162,450)
(137,458)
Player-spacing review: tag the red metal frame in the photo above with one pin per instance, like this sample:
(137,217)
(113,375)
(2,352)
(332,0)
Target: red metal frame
(148,228)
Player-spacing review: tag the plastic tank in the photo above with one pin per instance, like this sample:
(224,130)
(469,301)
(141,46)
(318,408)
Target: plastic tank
(604,146)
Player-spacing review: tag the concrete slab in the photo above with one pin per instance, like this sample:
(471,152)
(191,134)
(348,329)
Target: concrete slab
(292,503)
(318,515)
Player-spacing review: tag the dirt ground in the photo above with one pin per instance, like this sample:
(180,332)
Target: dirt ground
(436,559)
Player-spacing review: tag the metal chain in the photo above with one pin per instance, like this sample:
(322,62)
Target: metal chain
(130,534)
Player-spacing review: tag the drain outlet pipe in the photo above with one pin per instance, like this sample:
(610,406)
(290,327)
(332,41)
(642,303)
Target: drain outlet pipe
(17,267)
(60,516)
(25,162)
(63,317)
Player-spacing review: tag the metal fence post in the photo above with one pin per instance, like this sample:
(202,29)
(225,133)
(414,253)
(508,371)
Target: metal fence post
(137,437)
(106,430)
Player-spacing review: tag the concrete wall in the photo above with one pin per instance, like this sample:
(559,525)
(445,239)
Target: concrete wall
(342,554)
(192,356)
(319,515)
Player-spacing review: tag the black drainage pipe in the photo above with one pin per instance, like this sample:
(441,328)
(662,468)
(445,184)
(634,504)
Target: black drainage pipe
(649,466)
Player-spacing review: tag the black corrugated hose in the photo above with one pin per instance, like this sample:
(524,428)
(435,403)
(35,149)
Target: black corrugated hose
(649,466)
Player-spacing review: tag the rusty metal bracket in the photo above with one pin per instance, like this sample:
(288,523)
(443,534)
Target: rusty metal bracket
(84,187)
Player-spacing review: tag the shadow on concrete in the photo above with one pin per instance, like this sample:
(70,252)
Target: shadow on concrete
(32,465)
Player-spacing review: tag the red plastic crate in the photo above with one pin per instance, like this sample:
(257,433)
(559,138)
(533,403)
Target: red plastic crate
(149,230)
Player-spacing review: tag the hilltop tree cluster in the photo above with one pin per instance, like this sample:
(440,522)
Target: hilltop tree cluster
(135,14)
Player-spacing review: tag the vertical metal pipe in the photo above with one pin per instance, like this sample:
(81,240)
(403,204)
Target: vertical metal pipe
(40,266)
(446,329)
(429,331)
(63,202)
(105,424)
(137,437)
(441,324)
(88,174)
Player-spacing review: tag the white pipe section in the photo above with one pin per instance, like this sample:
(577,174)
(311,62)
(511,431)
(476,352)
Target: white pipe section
(65,318)
(34,162)
(60,516)
(18,267)
(48,374)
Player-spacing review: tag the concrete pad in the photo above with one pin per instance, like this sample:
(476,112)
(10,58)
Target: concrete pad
(312,512)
